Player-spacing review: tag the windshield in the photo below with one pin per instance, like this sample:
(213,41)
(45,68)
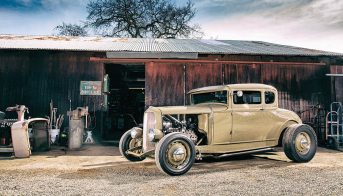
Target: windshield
(210,97)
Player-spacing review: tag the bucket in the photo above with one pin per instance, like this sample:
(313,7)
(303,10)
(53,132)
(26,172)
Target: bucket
(54,135)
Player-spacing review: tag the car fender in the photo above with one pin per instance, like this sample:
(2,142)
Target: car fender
(283,128)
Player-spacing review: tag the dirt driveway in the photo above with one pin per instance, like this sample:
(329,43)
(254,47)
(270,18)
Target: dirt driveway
(99,170)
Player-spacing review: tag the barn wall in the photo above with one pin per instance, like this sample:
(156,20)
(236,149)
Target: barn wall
(300,86)
(33,78)
(164,84)
(202,74)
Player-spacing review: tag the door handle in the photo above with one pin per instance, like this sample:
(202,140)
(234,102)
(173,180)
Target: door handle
(261,109)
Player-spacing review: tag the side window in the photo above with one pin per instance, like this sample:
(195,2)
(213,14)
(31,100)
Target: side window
(269,97)
(247,97)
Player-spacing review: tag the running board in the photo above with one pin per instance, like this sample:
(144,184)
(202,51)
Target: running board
(6,150)
(246,152)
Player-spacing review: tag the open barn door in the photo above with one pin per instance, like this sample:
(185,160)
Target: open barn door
(125,105)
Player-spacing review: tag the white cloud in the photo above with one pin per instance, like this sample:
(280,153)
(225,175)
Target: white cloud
(316,24)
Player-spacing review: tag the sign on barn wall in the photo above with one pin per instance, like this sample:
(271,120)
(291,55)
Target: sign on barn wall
(90,88)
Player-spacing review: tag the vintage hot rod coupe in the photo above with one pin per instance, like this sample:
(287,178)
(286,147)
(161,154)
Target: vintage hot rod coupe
(237,118)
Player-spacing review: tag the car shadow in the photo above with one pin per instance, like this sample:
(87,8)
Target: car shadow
(217,164)
(135,171)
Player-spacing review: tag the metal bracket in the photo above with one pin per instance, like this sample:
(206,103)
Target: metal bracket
(129,152)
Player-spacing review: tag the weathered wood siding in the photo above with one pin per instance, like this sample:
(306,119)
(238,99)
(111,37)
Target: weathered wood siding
(33,78)
(300,86)
(164,84)
(202,74)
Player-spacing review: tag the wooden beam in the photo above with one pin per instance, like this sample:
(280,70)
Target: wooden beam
(181,61)
(334,75)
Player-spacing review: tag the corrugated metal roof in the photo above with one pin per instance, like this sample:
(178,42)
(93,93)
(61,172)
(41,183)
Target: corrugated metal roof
(154,45)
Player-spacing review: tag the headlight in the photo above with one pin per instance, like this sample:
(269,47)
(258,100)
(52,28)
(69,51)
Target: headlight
(136,132)
(155,134)
(151,135)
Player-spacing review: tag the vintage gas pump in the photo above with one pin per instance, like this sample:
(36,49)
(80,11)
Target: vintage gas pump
(77,124)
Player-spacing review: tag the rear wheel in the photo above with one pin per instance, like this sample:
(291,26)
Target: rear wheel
(300,143)
(175,154)
(127,142)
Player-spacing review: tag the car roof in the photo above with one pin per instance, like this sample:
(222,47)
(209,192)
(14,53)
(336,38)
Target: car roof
(245,86)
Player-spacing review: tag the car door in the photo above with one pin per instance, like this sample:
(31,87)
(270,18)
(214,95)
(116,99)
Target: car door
(248,117)
(222,124)
(271,127)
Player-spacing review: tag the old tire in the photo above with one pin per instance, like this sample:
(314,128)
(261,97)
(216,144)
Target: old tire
(175,154)
(300,143)
(127,142)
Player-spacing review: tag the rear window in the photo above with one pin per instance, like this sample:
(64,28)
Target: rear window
(269,97)
(247,97)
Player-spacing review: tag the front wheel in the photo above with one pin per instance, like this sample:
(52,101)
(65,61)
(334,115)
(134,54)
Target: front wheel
(300,143)
(127,142)
(175,154)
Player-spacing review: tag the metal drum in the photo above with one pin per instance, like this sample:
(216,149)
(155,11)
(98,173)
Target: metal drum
(76,129)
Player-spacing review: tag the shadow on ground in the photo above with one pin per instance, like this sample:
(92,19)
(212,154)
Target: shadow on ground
(135,171)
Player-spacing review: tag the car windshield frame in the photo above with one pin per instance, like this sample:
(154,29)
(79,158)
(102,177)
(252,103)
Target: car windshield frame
(220,97)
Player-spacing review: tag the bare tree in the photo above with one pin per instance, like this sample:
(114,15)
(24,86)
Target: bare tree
(141,18)
(71,30)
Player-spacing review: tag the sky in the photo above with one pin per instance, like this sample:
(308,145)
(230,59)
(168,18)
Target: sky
(316,24)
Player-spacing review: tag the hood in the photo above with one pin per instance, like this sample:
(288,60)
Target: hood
(192,109)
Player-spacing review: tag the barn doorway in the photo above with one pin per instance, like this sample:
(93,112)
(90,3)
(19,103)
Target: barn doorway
(125,100)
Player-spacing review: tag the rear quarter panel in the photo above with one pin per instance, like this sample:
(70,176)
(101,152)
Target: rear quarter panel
(280,120)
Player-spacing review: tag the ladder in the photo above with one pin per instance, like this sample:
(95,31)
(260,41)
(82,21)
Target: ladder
(334,126)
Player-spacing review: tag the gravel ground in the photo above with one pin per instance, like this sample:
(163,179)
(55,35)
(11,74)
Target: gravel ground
(86,173)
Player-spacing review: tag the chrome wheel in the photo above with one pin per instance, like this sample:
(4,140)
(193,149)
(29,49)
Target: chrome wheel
(300,143)
(303,143)
(175,154)
(178,154)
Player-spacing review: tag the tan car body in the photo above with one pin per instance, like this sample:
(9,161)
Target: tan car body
(231,127)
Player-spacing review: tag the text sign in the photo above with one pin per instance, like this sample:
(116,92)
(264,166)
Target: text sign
(90,88)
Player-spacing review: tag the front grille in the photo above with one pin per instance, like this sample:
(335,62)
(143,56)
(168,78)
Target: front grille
(149,122)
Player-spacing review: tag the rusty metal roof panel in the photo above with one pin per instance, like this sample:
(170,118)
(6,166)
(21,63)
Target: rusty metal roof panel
(107,44)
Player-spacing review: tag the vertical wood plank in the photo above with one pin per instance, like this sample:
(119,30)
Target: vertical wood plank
(164,84)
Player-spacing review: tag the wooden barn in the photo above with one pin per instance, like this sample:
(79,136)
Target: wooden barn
(137,73)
